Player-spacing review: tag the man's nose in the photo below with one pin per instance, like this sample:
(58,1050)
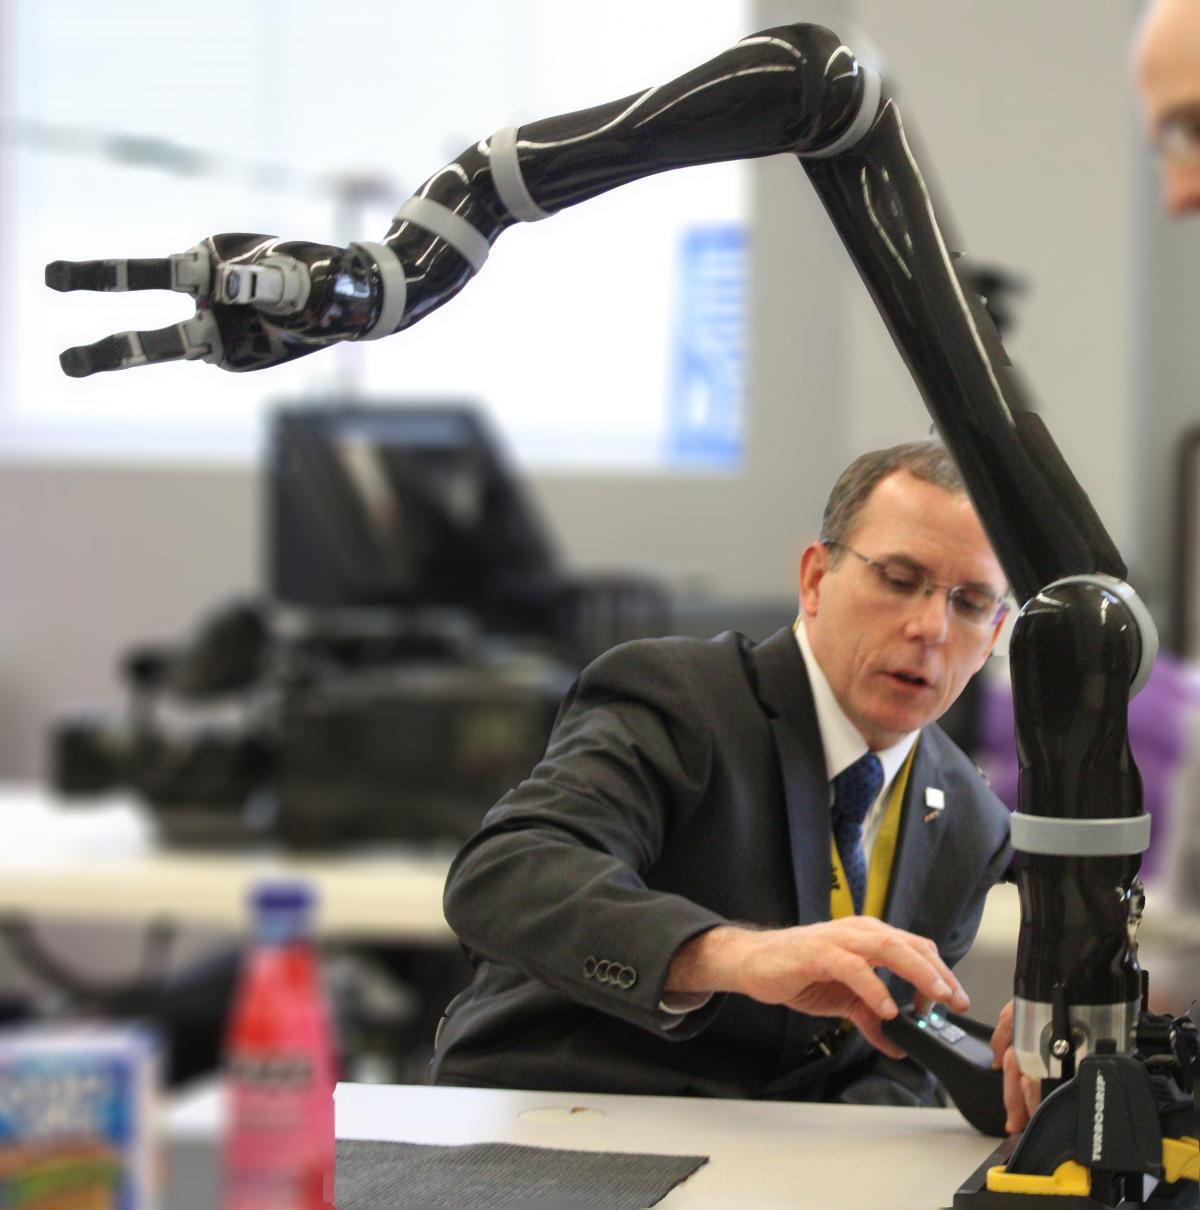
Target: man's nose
(929,618)
(1181,187)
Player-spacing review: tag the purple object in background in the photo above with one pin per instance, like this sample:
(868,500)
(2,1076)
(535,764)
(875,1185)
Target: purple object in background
(1158,735)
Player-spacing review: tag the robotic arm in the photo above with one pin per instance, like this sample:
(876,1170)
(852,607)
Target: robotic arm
(1083,641)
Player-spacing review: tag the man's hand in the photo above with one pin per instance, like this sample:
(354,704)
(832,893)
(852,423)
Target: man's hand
(1022,1095)
(825,970)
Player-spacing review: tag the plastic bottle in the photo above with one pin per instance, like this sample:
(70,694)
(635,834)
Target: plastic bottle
(280,1066)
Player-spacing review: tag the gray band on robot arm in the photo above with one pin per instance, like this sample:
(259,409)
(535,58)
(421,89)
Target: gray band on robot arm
(1138,613)
(444,223)
(509,180)
(395,289)
(1055,837)
(867,112)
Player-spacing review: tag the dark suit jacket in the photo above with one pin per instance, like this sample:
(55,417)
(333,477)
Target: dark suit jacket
(675,775)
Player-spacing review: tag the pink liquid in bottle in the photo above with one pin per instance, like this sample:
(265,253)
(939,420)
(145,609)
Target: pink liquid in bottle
(280,1067)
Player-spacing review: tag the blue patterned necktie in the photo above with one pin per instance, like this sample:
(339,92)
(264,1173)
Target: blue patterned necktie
(854,790)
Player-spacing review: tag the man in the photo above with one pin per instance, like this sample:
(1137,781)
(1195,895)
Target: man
(651,910)
(1167,66)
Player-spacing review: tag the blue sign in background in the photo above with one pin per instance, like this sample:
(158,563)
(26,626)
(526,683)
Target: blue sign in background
(706,413)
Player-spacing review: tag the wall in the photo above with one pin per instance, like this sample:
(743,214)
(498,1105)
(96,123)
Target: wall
(1037,159)
(93,558)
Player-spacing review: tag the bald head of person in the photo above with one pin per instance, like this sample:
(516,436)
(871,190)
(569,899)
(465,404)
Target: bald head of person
(1167,71)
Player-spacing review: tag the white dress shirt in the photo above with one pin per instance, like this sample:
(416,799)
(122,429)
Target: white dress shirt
(844,745)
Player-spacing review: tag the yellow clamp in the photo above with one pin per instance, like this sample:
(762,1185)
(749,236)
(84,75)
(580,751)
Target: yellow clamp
(1181,1160)
(1069,1179)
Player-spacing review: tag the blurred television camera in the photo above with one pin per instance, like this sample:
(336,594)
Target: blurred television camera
(403,669)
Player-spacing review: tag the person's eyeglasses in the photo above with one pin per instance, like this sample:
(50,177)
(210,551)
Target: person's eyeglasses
(1178,137)
(901,579)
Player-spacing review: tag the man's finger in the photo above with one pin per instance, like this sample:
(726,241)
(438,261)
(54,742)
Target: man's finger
(1002,1035)
(194,338)
(853,972)
(1031,1091)
(1014,1099)
(925,950)
(926,972)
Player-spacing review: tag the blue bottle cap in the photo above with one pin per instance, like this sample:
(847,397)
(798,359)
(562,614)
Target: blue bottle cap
(282,910)
(289,896)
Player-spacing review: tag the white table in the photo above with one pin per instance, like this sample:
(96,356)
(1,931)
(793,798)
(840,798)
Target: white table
(101,864)
(761,1153)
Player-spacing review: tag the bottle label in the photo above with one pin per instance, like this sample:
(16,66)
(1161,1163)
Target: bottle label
(272,1093)
(281,1148)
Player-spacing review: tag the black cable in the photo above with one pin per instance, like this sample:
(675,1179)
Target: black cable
(31,954)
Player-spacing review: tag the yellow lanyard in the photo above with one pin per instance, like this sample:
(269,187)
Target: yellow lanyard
(841,903)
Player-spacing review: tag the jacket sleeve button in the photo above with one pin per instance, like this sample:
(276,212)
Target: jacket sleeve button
(626,977)
(589,968)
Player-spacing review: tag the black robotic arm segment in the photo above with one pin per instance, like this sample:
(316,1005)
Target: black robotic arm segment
(795,88)
(1081,643)
(1041,522)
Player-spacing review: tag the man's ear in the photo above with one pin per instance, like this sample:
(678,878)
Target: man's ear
(814,563)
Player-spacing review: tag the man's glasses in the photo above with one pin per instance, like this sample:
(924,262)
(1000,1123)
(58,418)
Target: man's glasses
(901,579)
(1178,136)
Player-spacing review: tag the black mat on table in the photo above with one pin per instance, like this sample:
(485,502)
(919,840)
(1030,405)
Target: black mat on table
(379,1175)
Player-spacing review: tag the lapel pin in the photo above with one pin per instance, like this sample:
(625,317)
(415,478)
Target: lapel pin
(935,802)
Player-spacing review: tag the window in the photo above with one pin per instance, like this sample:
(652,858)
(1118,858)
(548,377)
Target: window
(610,335)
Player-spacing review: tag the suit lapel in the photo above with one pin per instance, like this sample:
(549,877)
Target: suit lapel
(784,690)
(920,835)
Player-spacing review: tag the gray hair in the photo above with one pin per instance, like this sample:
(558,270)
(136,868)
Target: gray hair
(926,460)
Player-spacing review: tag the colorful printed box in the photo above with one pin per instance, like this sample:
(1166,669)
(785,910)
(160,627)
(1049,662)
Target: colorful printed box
(76,1119)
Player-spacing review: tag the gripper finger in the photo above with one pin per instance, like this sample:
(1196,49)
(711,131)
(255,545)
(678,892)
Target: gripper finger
(187,272)
(197,337)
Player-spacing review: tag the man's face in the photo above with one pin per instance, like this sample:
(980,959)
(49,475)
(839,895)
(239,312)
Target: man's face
(896,663)
(1167,67)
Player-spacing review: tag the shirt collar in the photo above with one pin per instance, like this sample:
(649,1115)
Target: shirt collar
(840,738)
